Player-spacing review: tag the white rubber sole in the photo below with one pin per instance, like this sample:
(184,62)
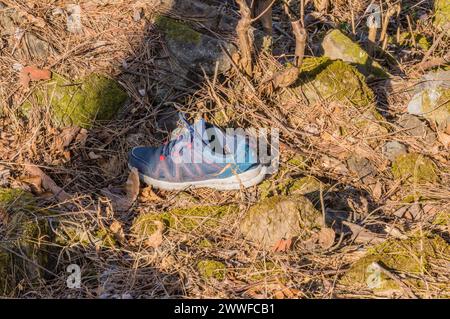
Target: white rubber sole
(246,179)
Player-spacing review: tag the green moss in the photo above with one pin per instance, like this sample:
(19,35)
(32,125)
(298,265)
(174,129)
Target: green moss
(205,243)
(25,233)
(177,31)
(414,168)
(104,238)
(322,78)
(423,42)
(81,103)
(209,268)
(411,255)
(442,13)
(351,52)
(184,219)
(442,219)
(16,199)
(266,269)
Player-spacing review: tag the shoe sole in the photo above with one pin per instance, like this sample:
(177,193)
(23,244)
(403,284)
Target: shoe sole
(246,179)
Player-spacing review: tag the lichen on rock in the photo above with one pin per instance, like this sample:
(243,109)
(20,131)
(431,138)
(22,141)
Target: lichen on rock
(442,14)
(432,99)
(324,79)
(337,45)
(93,98)
(414,168)
(209,268)
(280,217)
(193,49)
(182,219)
(23,254)
(410,255)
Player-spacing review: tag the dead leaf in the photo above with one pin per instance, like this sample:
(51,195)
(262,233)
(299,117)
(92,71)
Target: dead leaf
(123,203)
(35,182)
(132,185)
(377,190)
(47,183)
(32,73)
(148,195)
(444,138)
(82,137)
(285,77)
(362,235)
(282,245)
(117,230)
(66,137)
(156,239)
(326,237)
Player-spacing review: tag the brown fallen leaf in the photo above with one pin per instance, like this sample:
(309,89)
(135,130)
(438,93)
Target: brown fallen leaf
(117,230)
(444,138)
(132,185)
(66,137)
(362,235)
(285,77)
(326,237)
(47,183)
(282,245)
(148,195)
(123,203)
(156,239)
(32,73)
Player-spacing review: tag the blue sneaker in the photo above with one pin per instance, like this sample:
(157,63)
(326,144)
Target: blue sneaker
(201,155)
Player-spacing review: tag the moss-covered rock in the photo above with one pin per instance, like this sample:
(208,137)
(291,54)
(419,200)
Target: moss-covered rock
(412,255)
(82,102)
(210,268)
(182,219)
(414,168)
(280,217)
(432,99)
(23,251)
(324,79)
(442,14)
(193,49)
(337,45)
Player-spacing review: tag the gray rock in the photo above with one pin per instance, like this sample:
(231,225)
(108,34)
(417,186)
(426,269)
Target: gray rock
(442,14)
(337,45)
(193,49)
(280,217)
(391,150)
(31,46)
(360,166)
(432,99)
(413,126)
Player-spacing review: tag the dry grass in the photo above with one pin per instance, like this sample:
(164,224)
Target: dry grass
(116,45)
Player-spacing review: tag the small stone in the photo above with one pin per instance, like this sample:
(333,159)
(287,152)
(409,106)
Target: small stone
(413,126)
(432,99)
(90,99)
(193,49)
(280,217)
(337,45)
(74,18)
(360,166)
(391,150)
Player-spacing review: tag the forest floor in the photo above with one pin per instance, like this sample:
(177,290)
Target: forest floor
(394,216)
